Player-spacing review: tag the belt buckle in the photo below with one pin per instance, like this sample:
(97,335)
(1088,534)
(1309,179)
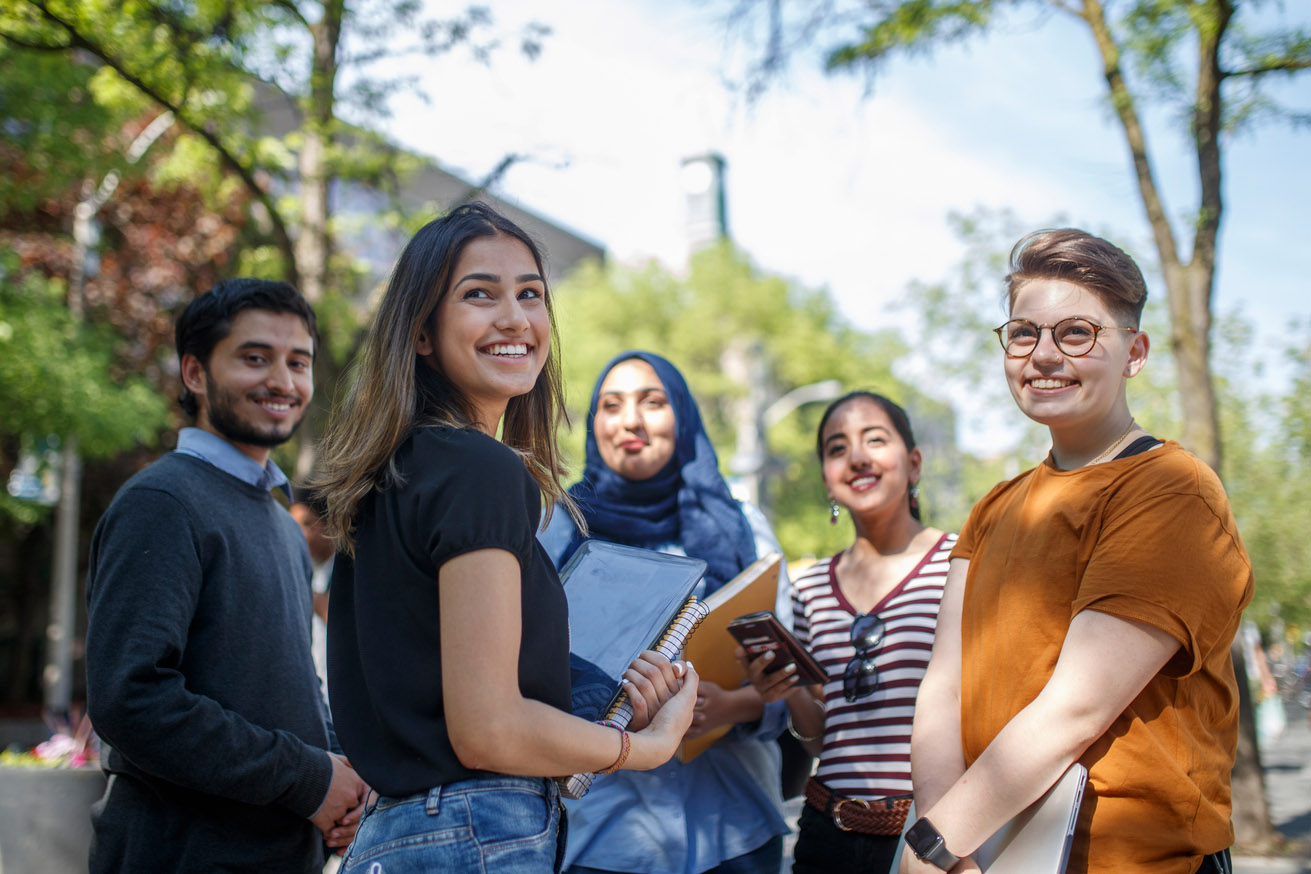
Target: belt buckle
(837,811)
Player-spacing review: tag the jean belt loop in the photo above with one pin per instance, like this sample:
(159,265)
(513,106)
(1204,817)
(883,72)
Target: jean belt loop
(433,805)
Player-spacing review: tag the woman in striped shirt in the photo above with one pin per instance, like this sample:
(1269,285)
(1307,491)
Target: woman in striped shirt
(868,615)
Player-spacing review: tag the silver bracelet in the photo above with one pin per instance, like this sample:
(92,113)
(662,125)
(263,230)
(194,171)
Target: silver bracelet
(792,729)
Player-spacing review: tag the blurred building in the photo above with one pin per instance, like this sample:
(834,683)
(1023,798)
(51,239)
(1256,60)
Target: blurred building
(428,192)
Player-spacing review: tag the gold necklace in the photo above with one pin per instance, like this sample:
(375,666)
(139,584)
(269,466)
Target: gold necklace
(1108,449)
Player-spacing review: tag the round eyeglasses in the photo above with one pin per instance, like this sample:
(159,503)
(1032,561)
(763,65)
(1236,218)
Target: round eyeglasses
(1074,336)
(862,675)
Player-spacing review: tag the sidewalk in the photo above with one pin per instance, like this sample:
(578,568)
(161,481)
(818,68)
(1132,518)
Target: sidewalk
(1287,764)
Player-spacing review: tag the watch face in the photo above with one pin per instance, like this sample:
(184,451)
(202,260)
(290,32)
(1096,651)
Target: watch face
(921,836)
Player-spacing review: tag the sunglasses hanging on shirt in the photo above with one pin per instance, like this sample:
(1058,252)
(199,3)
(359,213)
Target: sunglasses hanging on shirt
(862,675)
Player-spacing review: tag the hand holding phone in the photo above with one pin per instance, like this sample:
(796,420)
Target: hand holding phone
(762,632)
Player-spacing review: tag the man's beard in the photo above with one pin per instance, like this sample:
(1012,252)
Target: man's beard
(220,407)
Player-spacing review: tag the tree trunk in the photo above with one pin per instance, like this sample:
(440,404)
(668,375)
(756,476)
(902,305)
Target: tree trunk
(1188,288)
(1253,830)
(313,245)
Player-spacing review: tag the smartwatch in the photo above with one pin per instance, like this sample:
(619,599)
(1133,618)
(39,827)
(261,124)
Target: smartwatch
(928,846)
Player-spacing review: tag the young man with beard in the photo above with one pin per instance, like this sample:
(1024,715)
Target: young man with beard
(199,674)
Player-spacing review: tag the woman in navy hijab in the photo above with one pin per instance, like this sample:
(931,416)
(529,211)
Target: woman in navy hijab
(652,480)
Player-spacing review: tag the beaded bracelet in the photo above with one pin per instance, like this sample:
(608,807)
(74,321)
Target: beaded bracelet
(624,746)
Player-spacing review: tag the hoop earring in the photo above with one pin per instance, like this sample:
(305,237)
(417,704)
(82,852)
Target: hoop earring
(832,512)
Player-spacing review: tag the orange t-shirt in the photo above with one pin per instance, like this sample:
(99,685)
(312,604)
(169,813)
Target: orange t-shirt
(1149,538)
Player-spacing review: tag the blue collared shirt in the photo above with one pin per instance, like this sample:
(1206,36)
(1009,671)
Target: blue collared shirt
(683,818)
(231,460)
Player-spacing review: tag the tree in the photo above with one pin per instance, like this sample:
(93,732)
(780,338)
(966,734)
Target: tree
(726,303)
(1268,447)
(207,62)
(1200,57)
(204,61)
(59,379)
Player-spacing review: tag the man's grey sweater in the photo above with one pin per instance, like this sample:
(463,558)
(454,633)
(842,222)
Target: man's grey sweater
(199,676)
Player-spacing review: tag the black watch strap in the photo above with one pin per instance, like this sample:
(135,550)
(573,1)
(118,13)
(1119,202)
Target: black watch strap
(927,844)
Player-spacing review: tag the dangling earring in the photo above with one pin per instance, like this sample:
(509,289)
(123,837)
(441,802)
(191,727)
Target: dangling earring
(914,496)
(832,512)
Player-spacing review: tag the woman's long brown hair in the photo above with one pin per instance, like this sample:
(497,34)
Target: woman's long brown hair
(392,391)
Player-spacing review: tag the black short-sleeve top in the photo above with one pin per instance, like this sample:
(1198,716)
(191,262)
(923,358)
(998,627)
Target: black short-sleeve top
(455,491)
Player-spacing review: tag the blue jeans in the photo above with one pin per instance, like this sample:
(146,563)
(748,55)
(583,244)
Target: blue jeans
(765,859)
(503,825)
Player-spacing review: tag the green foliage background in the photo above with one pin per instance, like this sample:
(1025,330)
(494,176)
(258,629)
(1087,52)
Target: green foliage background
(724,299)
(58,378)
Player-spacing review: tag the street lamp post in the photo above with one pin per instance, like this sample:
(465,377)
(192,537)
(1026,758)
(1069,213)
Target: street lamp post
(755,414)
(57,677)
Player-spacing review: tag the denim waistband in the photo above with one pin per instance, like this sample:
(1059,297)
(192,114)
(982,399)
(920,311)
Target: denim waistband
(432,798)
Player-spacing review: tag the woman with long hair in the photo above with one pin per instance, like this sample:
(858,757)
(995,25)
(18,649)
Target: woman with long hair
(449,641)
(652,480)
(868,615)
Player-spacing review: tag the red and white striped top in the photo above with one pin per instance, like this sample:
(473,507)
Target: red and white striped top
(867,743)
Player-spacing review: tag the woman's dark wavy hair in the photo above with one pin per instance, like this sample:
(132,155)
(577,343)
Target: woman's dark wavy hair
(900,421)
(394,391)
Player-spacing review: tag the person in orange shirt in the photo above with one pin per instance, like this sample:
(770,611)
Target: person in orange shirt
(1089,606)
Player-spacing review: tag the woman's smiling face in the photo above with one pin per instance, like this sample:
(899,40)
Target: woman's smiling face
(634,426)
(1070,395)
(867,467)
(493,328)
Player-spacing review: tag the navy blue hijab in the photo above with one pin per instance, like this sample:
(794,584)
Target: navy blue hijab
(687,502)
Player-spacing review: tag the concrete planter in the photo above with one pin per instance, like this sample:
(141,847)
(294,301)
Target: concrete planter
(45,818)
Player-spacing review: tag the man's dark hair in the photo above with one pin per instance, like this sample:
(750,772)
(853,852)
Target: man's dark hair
(208,319)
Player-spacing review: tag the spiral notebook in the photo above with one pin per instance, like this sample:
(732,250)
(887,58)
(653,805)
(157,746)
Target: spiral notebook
(711,647)
(622,600)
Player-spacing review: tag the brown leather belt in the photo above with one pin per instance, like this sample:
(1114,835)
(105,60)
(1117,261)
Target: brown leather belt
(881,816)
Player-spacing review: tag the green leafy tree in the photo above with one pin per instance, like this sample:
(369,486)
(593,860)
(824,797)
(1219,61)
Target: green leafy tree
(725,305)
(204,62)
(1267,451)
(59,378)
(1207,60)
(214,64)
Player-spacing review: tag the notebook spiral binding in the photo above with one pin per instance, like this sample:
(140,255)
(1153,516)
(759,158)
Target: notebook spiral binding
(620,713)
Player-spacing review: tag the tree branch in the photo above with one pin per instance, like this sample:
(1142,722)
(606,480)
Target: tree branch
(1284,65)
(1122,100)
(291,9)
(1207,122)
(493,177)
(226,157)
(31,46)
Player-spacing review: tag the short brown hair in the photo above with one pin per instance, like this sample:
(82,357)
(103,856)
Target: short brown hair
(1087,261)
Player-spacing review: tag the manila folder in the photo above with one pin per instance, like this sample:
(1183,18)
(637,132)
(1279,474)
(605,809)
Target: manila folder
(710,648)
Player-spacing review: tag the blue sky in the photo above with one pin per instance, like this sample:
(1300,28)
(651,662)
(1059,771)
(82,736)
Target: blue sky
(837,185)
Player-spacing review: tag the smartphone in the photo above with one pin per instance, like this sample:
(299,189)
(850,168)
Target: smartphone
(761,632)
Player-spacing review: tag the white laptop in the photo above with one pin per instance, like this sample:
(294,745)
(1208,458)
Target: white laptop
(1038,840)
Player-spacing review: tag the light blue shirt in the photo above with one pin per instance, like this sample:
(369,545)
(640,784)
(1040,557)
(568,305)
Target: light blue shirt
(684,818)
(212,448)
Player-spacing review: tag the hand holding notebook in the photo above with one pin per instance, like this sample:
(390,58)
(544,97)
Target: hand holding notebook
(622,600)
